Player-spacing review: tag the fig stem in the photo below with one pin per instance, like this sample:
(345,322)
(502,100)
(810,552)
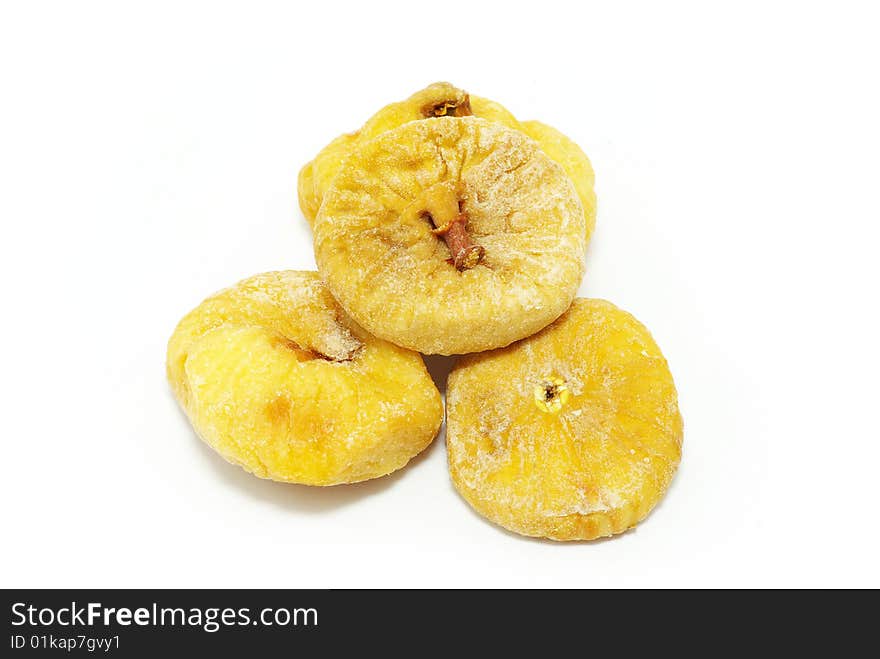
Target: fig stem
(449,108)
(445,211)
(465,253)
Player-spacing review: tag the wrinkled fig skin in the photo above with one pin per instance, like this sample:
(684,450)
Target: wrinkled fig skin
(571,434)
(402,281)
(275,377)
(443,99)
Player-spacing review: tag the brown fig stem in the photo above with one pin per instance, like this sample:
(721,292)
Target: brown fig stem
(465,253)
(445,210)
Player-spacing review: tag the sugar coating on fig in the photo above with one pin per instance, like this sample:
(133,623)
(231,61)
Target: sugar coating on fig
(278,379)
(392,227)
(436,100)
(571,434)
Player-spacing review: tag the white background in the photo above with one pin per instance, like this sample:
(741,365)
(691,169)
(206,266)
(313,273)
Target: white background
(148,157)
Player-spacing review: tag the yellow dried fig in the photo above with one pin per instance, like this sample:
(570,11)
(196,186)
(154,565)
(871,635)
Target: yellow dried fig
(277,379)
(571,434)
(451,235)
(573,160)
(439,100)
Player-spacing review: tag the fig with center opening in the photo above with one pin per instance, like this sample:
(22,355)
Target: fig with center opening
(571,434)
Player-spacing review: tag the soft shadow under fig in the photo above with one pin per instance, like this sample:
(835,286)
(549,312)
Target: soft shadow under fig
(299,498)
(547,541)
(439,367)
